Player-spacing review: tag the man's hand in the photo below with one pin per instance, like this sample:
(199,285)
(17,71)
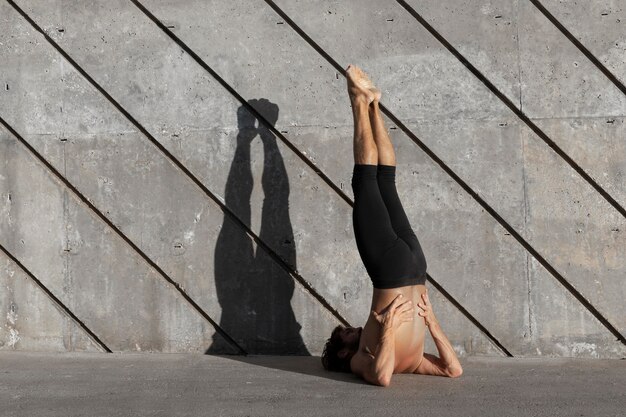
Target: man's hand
(395,313)
(426,310)
(447,364)
(377,367)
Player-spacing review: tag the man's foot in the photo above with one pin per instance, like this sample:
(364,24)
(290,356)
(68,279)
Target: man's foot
(360,87)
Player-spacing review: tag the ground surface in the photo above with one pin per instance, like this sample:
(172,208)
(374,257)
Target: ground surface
(75,384)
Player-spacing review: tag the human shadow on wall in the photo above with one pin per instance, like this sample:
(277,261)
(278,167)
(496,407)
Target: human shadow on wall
(253,290)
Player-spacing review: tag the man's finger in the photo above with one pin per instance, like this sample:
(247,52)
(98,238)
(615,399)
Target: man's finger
(404,309)
(395,302)
(407,310)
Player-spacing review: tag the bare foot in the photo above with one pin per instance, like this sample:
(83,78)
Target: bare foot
(360,87)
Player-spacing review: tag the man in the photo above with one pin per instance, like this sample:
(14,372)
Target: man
(392,340)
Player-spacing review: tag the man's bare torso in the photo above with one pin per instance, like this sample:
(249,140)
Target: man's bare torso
(409,337)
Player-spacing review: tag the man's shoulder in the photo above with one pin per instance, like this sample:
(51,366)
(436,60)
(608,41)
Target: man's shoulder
(361,361)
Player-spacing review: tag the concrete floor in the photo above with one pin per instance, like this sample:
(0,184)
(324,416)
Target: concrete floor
(86,384)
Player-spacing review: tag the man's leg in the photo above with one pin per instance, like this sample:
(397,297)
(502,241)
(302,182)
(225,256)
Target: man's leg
(365,149)
(386,154)
(387,173)
(387,185)
(372,227)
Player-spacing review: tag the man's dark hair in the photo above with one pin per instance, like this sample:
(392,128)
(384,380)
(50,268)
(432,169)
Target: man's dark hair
(330,358)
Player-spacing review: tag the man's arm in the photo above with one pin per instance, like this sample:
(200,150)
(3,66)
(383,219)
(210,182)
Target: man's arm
(377,368)
(447,364)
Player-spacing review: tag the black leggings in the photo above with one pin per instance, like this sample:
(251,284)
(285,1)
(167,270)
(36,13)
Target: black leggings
(390,251)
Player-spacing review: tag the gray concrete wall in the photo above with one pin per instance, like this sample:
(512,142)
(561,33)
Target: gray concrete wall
(144,209)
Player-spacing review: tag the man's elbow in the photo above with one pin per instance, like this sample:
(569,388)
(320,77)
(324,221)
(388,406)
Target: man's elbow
(454,372)
(383,380)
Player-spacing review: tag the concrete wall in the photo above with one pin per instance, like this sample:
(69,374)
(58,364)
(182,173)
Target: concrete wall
(175,175)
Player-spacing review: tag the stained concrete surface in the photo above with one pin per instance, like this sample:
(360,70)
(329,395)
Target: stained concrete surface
(75,384)
(185,108)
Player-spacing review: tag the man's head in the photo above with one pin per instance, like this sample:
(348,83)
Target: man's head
(340,347)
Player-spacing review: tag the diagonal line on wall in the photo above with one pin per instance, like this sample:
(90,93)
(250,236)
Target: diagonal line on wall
(469,316)
(233,217)
(108,222)
(605,322)
(519,113)
(55,300)
(204,65)
(586,52)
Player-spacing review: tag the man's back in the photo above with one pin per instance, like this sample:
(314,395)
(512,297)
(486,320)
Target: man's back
(408,337)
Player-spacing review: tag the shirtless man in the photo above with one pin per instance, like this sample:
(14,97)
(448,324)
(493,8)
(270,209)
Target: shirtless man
(392,340)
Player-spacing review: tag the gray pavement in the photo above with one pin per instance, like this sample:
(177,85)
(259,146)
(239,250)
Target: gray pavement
(97,384)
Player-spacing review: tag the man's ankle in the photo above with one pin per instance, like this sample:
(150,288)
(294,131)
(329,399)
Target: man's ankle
(359,101)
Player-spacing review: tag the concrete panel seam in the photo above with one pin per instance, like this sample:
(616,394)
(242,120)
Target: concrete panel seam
(518,112)
(519,65)
(458,179)
(108,222)
(527,257)
(586,52)
(56,301)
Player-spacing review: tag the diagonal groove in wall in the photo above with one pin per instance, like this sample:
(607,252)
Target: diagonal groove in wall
(55,300)
(328,181)
(108,222)
(232,216)
(586,52)
(469,316)
(605,322)
(519,113)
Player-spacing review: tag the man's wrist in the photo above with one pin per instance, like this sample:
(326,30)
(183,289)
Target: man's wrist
(387,331)
(433,324)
